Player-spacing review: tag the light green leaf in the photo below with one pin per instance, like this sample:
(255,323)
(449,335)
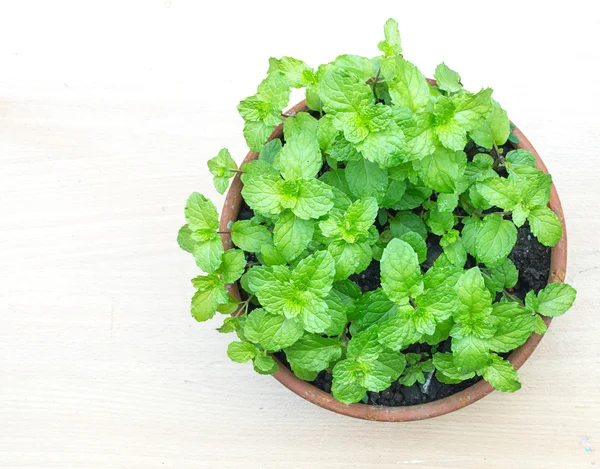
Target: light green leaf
(292,234)
(241,352)
(406,222)
(208,252)
(272,331)
(210,294)
(350,258)
(494,130)
(514,327)
(409,87)
(391,45)
(545,225)
(366,179)
(263,193)
(500,192)
(250,236)
(500,277)
(400,271)
(314,199)
(474,300)
(445,364)
(201,214)
(270,150)
(447,79)
(494,240)
(313,352)
(345,387)
(315,273)
(296,72)
(501,374)
(265,365)
(417,242)
(399,331)
(256,134)
(555,299)
(233,265)
(300,157)
(184,239)
(373,308)
(470,352)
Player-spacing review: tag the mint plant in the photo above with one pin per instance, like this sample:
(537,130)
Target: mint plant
(375,173)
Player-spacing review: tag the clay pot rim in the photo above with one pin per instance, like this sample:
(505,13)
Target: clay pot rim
(558,268)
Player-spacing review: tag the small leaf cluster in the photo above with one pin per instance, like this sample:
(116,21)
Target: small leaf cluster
(375,172)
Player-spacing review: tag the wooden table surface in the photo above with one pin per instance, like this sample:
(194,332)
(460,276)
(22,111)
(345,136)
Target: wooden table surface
(108,113)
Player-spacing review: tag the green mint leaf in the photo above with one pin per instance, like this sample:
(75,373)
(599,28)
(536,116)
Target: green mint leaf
(501,374)
(394,193)
(494,130)
(540,325)
(536,190)
(364,346)
(292,235)
(474,299)
(313,352)
(208,252)
(221,167)
(211,293)
(269,151)
(441,302)
(263,193)
(447,202)
(399,331)
(500,277)
(345,386)
(446,366)
(515,325)
(184,239)
(272,331)
(500,192)
(337,314)
(439,222)
(393,363)
(442,170)
(555,299)
(413,197)
(230,307)
(494,240)
(250,236)
(520,158)
(391,45)
(470,352)
(386,147)
(232,265)
(350,258)
(296,72)
(545,225)
(409,87)
(366,179)
(275,91)
(374,308)
(256,134)
(400,271)
(265,365)
(313,200)
(300,157)
(201,214)
(241,352)
(270,255)
(407,222)
(447,79)
(417,242)
(315,273)
(257,277)
(346,97)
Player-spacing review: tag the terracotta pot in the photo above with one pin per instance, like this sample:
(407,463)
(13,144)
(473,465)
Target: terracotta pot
(304,389)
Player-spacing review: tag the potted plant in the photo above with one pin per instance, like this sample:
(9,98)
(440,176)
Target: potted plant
(392,248)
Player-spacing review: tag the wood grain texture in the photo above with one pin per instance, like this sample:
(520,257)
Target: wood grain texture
(108,113)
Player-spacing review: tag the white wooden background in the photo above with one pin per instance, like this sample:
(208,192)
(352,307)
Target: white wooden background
(108,113)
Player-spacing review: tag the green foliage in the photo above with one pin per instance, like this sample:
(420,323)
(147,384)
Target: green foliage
(388,170)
